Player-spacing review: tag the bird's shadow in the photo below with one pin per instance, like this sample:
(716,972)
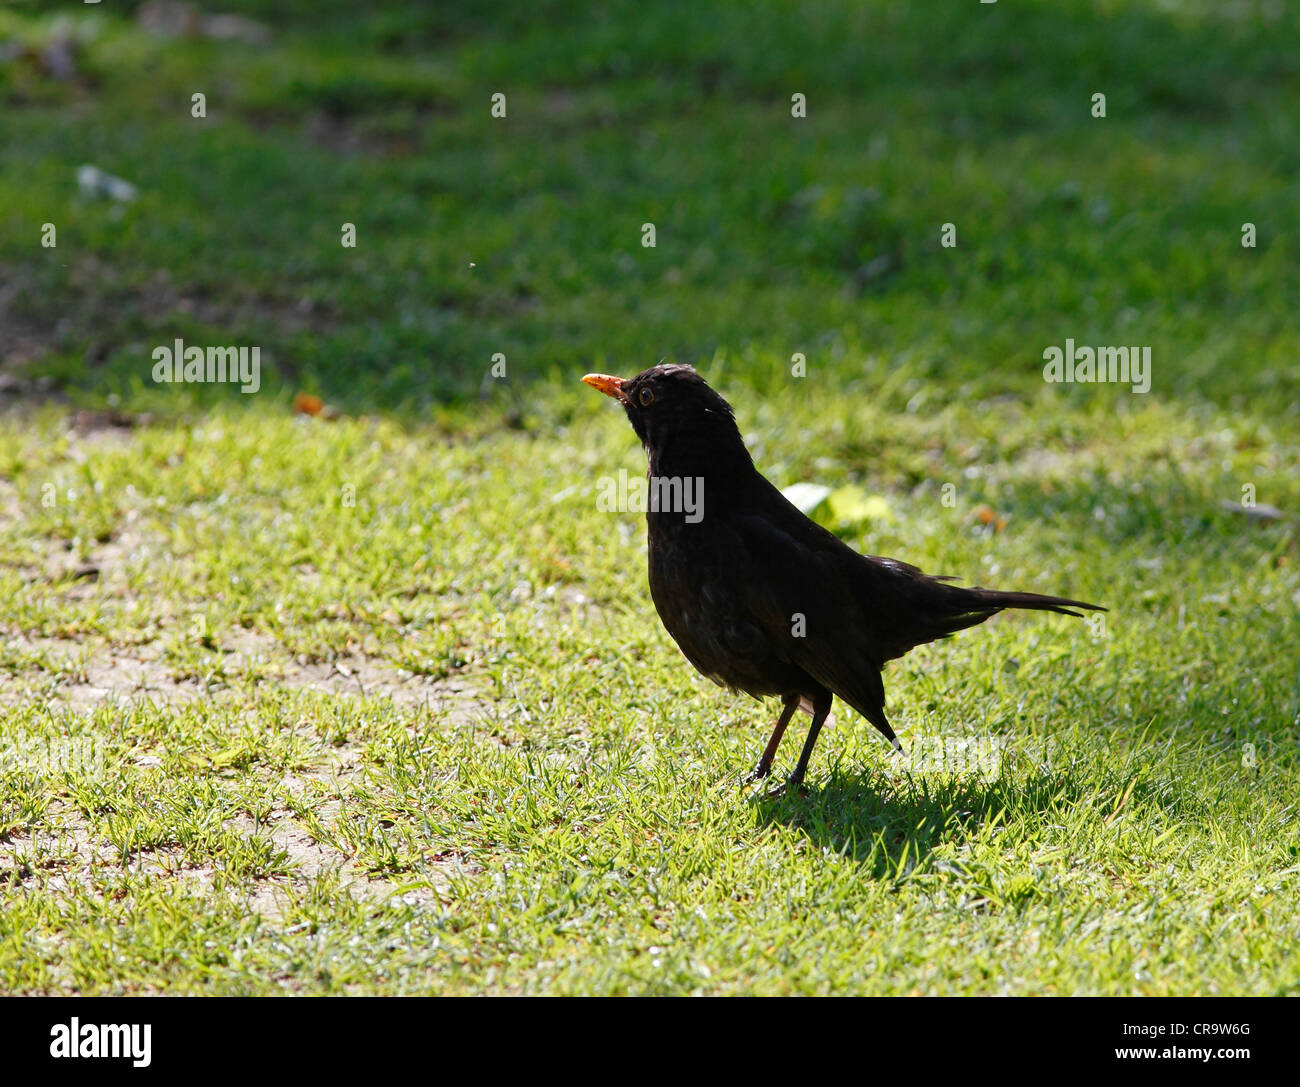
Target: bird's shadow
(890,823)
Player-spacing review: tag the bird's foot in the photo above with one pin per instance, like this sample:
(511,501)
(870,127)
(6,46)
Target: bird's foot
(757,774)
(792,786)
(789,787)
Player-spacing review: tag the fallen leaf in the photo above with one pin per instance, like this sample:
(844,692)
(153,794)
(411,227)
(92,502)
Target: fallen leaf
(306,404)
(853,506)
(806,497)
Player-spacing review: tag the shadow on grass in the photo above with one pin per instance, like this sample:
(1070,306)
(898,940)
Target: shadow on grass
(892,824)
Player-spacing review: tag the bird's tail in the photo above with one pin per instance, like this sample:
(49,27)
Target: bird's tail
(969,607)
(972,606)
(932,607)
(1034,601)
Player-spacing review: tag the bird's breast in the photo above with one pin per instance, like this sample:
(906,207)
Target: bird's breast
(700,594)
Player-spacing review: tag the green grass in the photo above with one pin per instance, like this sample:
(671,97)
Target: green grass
(380,703)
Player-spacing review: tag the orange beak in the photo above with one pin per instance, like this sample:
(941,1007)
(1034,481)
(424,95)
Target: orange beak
(610,386)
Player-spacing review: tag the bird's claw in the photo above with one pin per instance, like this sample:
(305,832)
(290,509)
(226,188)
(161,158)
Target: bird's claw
(791,784)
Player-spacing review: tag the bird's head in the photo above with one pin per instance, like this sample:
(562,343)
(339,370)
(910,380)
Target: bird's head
(673,410)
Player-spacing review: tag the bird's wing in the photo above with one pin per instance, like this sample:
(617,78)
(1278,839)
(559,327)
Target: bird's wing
(895,606)
(805,596)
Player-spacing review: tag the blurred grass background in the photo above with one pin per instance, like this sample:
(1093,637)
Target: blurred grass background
(775,235)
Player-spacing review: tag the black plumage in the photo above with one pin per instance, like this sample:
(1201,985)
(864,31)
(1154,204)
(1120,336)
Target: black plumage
(760,598)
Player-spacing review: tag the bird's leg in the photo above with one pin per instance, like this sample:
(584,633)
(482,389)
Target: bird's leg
(764,766)
(821,710)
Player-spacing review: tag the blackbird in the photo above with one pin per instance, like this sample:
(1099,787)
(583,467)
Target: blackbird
(758,597)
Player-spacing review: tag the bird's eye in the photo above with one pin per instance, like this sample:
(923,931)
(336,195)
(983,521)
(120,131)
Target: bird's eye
(646,397)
